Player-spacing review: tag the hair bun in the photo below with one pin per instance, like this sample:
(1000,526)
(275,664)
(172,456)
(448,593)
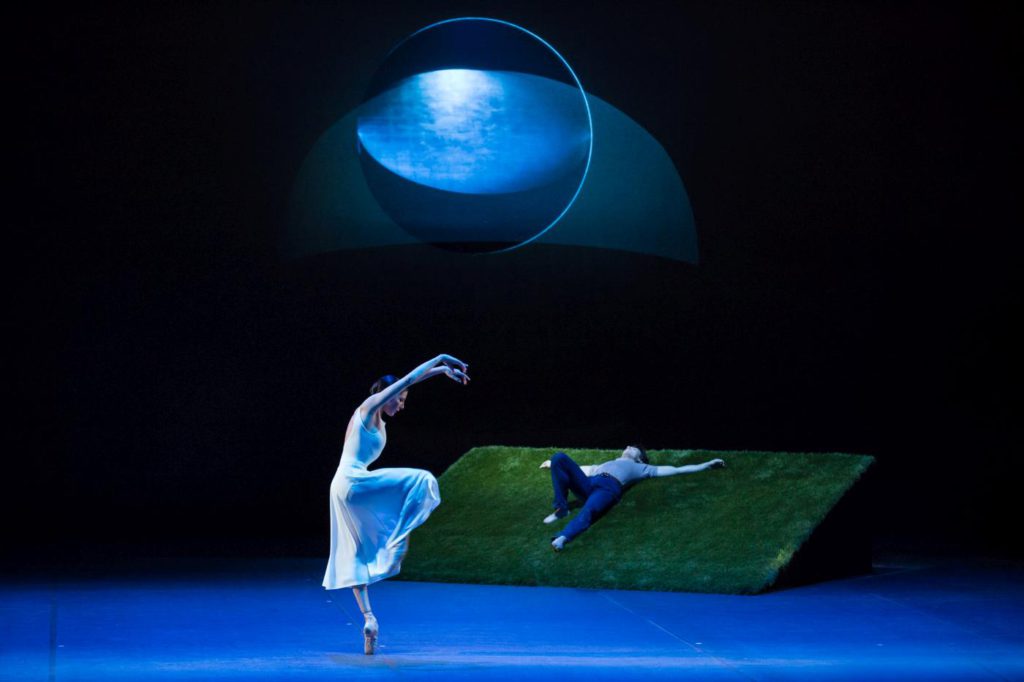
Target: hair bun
(382,383)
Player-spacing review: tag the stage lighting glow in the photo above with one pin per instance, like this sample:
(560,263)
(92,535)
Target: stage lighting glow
(475,135)
(477,132)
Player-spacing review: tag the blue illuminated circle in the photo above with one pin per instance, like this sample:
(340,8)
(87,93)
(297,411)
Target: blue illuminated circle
(475,135)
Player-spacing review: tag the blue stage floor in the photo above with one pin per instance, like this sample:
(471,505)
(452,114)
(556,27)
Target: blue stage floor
(271,619)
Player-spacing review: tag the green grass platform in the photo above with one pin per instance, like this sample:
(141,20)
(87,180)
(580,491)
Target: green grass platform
(732,530)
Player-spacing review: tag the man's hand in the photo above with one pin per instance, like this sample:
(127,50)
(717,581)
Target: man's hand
(546,464)
(715,464)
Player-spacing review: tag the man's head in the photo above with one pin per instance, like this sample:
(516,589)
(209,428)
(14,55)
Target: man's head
(636,453)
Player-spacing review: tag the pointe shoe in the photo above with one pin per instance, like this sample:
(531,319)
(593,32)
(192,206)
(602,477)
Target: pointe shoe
(370,630)
(555,515)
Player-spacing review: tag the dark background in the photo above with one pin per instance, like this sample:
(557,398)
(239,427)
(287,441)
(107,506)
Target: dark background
(176,386)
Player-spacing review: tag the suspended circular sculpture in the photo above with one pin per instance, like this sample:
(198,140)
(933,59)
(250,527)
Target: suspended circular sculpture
(475,135)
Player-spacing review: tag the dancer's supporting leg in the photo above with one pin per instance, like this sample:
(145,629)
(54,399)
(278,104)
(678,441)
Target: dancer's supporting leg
(370,625)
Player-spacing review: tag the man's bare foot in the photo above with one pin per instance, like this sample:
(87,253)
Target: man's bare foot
(555,515)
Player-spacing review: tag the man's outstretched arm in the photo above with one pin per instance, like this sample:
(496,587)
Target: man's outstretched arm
(688,468)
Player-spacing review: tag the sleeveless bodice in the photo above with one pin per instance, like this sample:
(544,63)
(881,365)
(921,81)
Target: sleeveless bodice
(363,446)
(373,512)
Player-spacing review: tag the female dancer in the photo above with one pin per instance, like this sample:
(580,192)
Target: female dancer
(373,512)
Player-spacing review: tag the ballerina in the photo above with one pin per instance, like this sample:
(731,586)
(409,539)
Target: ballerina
(373,512)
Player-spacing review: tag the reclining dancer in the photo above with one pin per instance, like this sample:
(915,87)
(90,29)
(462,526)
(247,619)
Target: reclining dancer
(600,486)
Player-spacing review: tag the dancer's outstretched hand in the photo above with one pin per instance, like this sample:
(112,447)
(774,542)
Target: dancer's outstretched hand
(456,375)
(546,464)
(716,464)
(454,362)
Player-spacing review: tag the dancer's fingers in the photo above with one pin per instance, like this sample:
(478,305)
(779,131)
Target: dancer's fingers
(457,375)
(455,361)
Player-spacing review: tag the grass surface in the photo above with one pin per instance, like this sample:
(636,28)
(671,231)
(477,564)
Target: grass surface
(726,530)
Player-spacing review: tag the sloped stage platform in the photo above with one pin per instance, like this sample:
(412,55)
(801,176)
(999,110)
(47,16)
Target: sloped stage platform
(767,520)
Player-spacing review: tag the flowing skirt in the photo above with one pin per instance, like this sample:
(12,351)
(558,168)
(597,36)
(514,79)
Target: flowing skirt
(372,514)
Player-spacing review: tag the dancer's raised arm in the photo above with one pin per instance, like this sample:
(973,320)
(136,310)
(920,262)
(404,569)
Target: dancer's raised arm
(450,366)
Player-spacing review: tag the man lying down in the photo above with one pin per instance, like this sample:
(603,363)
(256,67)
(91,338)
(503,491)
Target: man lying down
(600,486)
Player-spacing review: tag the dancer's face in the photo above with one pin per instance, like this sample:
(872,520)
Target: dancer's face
(396,404)
(631,453)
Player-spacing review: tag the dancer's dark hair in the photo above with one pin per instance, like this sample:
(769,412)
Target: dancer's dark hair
(643,453)
(382,383)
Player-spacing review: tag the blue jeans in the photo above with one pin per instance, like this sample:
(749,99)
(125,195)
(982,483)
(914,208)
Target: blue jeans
(599,493)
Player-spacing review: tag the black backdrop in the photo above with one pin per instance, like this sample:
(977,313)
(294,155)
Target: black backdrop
(854,172)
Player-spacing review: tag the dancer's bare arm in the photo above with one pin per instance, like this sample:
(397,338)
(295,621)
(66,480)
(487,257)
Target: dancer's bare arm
(452,367)
(688,468)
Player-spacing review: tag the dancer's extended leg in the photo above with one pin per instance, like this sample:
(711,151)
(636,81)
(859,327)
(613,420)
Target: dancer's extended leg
(602,497)
(566,475)
(370,628)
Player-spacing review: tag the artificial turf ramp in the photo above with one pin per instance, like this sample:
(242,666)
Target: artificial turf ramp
(727,530)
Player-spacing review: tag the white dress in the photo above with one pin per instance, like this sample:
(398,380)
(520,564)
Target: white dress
(373,512)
